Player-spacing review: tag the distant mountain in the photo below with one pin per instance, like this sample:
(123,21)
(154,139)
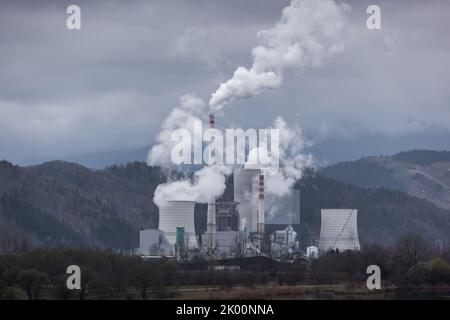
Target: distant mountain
(65,204)
(60,203)
(97,160)
(421,173)
(423,157)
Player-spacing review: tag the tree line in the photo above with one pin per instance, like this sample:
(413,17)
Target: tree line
(41,273)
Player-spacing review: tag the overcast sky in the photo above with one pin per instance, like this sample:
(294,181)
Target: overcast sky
(110,85)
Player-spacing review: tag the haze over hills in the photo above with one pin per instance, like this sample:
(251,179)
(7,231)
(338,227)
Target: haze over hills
(65,204)
(421,173)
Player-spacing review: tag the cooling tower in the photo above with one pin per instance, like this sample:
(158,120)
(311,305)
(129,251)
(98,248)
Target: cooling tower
(246,187)
(178,214)
(338,230)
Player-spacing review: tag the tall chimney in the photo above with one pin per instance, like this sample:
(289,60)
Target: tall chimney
(211,216)
(212,120)
(261,209)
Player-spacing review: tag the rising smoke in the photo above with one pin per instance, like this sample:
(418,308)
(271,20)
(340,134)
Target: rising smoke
(307,33)
(190,110)
(207,182)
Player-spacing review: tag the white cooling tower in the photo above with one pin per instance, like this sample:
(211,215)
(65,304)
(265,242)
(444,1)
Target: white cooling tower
(246,193)
(178,214)
(338,230)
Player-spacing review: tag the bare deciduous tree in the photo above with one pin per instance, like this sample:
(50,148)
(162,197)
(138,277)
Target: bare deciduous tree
(411,248)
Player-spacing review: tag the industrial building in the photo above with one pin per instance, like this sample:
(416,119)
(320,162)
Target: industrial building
(177,214)
(312,252)
(284,242)
(338,230)
(239,228)
(233,228)
(227,216)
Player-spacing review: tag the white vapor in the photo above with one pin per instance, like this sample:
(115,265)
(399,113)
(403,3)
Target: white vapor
(183,116)
(206,183)
(308,32)
(292,164)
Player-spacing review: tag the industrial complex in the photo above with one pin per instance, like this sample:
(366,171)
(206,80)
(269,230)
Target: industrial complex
(237,229)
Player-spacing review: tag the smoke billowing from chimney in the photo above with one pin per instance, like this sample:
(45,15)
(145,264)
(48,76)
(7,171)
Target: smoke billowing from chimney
(206,183)
(190,110)
(308,32)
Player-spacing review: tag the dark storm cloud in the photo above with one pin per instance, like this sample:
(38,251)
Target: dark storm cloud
(110,85)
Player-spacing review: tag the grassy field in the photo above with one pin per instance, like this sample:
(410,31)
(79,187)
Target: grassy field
(310,292)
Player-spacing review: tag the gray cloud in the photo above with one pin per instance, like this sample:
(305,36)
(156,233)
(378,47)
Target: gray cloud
(110,85)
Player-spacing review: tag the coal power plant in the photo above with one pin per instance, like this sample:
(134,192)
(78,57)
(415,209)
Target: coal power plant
(238,228)
(244,226)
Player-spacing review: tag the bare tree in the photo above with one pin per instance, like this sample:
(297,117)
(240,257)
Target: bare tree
(411,248)
(32,282)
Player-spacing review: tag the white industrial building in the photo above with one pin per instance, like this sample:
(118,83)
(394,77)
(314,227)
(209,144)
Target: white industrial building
(338,230)
(312,252)
(176,214)
(284,241)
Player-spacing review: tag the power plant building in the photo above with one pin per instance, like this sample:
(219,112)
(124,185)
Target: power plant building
(338,230)
(227,217)
(176,214)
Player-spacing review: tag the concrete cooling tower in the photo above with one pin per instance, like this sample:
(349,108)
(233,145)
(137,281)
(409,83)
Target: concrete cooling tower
(338,230)
(178,214)
(246,193)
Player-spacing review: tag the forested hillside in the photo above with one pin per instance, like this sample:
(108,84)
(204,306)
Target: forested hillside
(65,204)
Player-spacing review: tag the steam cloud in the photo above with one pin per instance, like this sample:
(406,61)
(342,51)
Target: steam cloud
(207,182)
(308,32)
(292,159)
(183,116)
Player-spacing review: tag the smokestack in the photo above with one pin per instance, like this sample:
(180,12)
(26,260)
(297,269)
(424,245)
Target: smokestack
(261,215)
(212,120)
(211,217)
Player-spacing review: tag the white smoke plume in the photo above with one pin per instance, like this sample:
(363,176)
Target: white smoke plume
(190,110)
(293,161)
(207,182)
(308,32)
